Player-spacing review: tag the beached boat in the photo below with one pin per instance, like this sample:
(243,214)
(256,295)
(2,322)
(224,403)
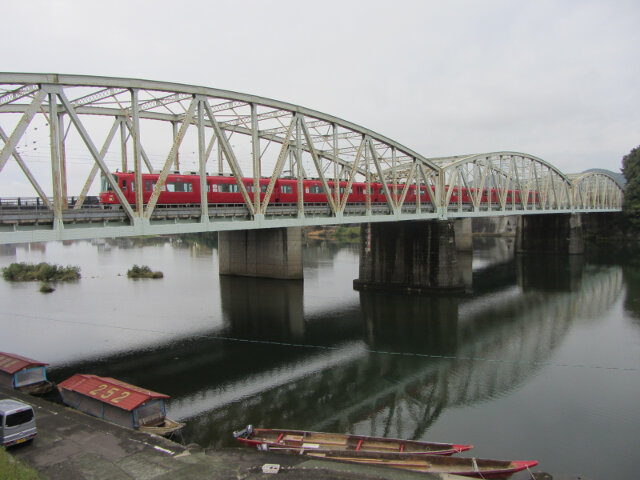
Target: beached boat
(24,374)
(118,402)
(469,467)
(303,441)
(165,429)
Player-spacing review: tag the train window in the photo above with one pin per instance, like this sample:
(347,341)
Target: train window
(124,184)
(263,188)
(133,186)
(315,189)
(286,188)
(179,187)
(105,186)
(227,187)
(343,188)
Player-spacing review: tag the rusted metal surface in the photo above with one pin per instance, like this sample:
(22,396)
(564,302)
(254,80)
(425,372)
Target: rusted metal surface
(11,363)
(110,391)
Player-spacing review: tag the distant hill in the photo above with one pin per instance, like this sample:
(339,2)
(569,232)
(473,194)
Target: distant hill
(617,175)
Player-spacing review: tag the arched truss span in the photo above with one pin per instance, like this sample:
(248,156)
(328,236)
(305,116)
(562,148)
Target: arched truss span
(505,181)
(232,133)
(596,190)
(101,124)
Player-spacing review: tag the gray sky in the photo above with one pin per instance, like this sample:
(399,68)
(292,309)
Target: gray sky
(556,79)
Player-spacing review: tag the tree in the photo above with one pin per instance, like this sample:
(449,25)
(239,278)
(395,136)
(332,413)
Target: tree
(631,172)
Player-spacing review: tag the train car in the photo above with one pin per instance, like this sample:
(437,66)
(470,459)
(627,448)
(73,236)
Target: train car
(177,188)
(221,189)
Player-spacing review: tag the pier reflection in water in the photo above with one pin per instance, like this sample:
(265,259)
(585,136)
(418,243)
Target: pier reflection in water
(512,366)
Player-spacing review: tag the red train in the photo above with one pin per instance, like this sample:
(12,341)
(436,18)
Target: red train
(185,189)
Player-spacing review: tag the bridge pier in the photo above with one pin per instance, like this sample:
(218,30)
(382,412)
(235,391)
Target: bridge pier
(412,257)
(267,253)
(464,234)
(553,233)
(464,250)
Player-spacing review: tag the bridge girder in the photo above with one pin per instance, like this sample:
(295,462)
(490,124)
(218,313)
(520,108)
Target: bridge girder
(252,137)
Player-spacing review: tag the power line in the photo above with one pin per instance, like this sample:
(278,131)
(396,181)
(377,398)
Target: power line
(329,347)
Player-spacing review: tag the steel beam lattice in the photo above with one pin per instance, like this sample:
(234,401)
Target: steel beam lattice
(166,127)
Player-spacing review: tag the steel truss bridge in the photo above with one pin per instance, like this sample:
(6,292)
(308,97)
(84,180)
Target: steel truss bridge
(82,126)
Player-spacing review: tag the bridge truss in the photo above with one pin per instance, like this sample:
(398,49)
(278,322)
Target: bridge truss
(84,126)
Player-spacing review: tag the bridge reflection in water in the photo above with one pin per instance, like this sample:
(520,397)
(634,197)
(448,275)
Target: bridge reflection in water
(391,366)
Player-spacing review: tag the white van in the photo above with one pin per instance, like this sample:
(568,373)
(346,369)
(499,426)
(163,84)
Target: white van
(17,422)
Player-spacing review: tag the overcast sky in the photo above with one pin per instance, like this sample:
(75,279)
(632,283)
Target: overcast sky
(556,79)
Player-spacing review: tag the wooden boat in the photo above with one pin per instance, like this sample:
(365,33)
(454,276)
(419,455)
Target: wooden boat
(38,389)
(300,441)
(165,429)
(469,467)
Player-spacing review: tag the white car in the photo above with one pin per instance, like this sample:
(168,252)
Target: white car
(17,422)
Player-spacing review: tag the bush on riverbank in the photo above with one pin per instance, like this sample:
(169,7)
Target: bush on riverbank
(43,272)
(13,469)
(143,272)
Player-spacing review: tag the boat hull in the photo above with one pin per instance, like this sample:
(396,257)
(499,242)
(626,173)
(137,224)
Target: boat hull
(166,429)
(469,467)
(306,441)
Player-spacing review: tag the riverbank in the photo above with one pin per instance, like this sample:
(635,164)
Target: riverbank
(71,445)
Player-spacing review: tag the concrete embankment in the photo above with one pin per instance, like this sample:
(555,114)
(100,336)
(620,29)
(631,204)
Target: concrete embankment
(71,445)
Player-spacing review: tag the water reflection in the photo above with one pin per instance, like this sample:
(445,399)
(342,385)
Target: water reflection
(262,308)
(549,273)
(398,385)
(254,351)
(410,323)
(392,370)
(7,250)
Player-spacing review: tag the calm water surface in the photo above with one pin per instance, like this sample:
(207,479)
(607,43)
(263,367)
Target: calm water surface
(540,359)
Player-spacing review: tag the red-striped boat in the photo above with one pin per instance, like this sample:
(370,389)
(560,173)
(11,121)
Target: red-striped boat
(301,441)
(469,467)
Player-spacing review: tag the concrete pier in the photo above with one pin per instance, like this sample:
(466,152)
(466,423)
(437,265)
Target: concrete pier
(553,233)
(413,257)
(268,253)
(464,234)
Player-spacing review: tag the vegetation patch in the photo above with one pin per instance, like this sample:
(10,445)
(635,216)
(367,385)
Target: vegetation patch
(348,234)
(341,235)
(43,272)
(15,470)
(143,272)
(46,288)
(631,203)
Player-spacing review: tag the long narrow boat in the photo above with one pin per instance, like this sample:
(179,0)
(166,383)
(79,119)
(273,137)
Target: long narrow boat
(470,467)
(305,441)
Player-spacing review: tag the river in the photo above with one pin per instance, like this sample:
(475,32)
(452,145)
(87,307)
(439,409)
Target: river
(538,360)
